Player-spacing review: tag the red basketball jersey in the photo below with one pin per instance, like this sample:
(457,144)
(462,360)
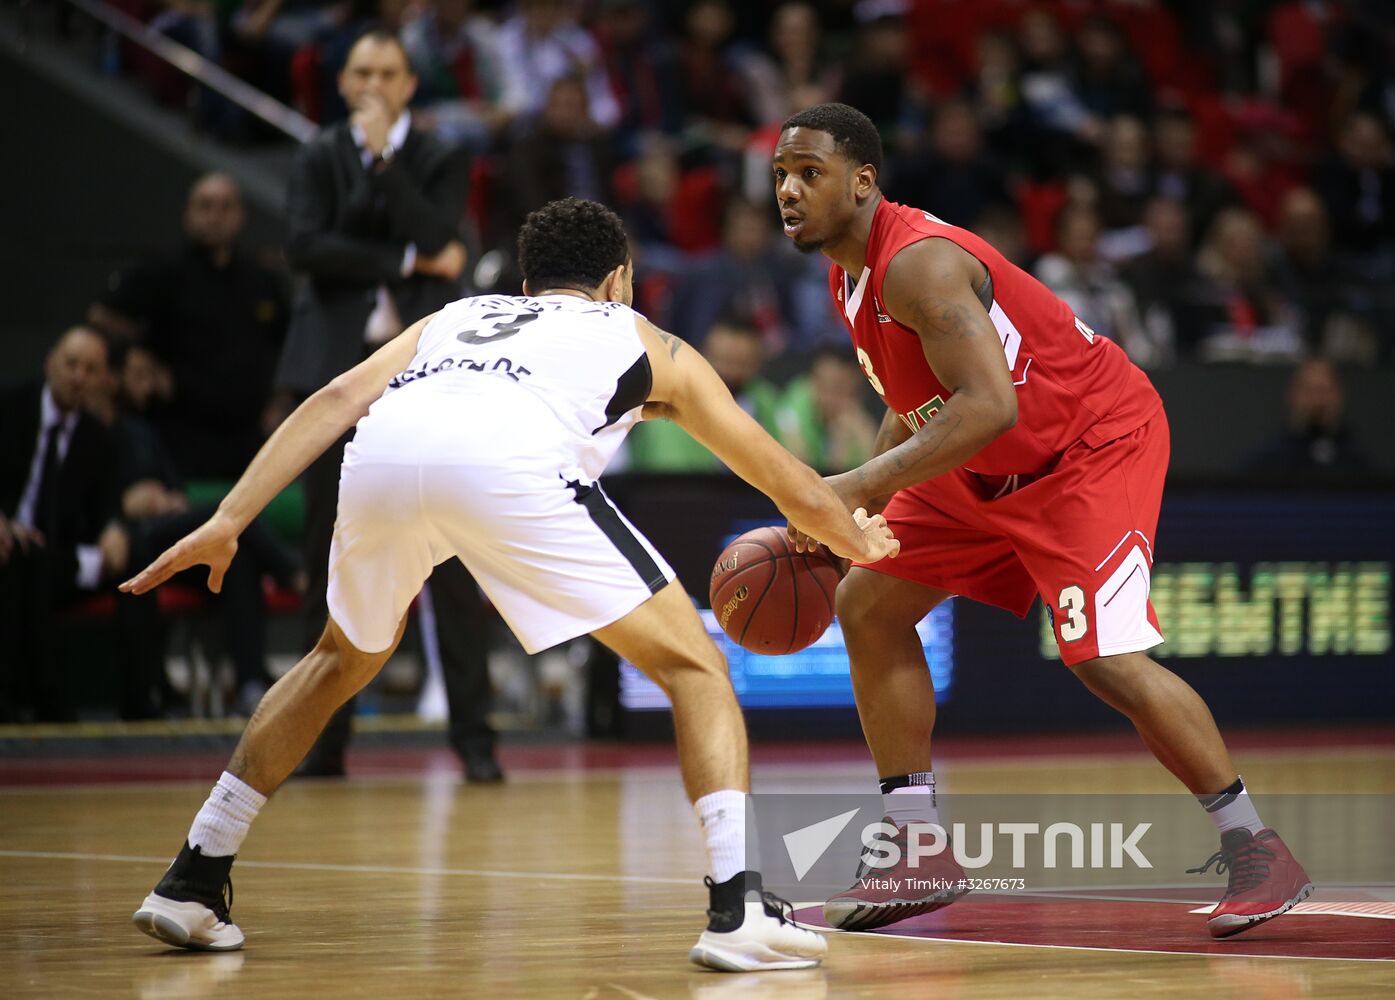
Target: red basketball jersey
(1071,385)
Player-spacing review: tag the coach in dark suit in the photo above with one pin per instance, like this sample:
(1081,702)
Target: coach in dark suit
(58,537)
(373,210)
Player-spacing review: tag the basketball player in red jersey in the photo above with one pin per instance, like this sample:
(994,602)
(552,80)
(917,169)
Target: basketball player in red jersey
(1020,455)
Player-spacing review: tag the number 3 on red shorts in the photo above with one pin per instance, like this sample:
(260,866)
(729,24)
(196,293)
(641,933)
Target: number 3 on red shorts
(1072,604)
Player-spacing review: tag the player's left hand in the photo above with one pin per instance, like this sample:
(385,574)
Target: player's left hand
(212,544)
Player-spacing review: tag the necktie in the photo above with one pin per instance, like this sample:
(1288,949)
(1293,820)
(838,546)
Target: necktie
(46,510)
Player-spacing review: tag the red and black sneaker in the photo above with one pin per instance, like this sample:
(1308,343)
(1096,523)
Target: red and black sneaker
(1265,881)
(882,896)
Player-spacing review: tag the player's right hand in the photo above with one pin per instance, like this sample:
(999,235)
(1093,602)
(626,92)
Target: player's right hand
(876,534)
(212,544)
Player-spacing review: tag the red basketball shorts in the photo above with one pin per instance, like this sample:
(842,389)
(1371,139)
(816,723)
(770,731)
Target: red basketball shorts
(1080,535)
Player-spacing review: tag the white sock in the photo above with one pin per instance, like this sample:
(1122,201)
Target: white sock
(225,818)
(1232,809)
(723,818)
(913,803)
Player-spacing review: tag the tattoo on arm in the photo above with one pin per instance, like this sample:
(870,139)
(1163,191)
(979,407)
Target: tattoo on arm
(935,317)
(670,341)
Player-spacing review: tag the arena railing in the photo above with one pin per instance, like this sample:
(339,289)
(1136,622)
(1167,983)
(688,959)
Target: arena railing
(208,74)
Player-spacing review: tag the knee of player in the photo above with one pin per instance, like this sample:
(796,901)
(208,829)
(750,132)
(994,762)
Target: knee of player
(854,602)
(1115,678)
(699,662)
(338,664)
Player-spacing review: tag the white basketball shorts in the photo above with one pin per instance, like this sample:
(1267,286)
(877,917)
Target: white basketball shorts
(555,557)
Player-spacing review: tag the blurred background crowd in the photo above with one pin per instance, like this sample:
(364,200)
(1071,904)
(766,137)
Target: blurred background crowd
(1208,181)
(1203,181)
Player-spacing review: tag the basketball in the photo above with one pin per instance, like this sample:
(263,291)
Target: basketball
(769,598)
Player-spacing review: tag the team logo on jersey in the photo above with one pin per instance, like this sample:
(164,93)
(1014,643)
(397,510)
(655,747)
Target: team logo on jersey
(920,416)
(882,317)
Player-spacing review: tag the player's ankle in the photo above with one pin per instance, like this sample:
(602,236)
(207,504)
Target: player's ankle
(726,910)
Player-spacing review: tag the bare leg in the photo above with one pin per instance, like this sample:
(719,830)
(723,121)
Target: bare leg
(295,710)
(664,638)
(1173,721)
(891,680)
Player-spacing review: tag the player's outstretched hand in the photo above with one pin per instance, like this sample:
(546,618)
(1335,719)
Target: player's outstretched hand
(212,544)
(876,533)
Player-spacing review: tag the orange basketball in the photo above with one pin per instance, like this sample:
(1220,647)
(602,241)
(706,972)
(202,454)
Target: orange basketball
(769,598)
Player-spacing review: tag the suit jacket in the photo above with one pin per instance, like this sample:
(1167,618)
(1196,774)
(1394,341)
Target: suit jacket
(348,233)
(87,489)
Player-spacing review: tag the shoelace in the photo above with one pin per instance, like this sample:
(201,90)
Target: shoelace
(225,914)
(779,908)
(1248,867)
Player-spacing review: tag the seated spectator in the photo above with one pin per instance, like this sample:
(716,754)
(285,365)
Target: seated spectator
(215,318)
(1316,442)
(1089,284)
(459,82)
(718,109)
(877,81)
(1164,278)
(995,94)
(1123,184)
(821,415)
(669,209)
(642,71)
(1327,295)
(737,354)
(1263,163)
(540,45)
(564,153)
(1243,313)
(797,73)
(156,513)
(1358,186)
(750,275)
(1062,129)
(1107,78)
(1180,176)
(953,179)
(59,538)
(262,36)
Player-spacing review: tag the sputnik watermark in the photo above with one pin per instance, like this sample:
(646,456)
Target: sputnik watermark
(927,840)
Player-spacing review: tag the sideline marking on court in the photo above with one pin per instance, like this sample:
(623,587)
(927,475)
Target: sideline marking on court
(357,869)
(1117,951)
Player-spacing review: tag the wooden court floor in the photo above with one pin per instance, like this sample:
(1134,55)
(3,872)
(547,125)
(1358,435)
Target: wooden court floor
(568,882)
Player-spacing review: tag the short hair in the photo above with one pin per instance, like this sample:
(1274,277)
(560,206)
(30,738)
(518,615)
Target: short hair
(854,134)
(384,36)
(571,243)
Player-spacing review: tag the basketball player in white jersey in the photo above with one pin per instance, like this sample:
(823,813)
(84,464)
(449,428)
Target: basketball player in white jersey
(481,433)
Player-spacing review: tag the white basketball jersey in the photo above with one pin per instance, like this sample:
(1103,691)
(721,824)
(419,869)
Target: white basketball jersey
(583,360)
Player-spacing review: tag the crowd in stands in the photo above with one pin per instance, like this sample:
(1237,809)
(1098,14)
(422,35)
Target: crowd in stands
(1199,180)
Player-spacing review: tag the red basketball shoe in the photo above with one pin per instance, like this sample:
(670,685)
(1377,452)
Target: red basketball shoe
(882,896)
(1265,881)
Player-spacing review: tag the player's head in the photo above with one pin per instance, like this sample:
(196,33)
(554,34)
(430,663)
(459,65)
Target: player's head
(826,165)
(378,69)
(577,244)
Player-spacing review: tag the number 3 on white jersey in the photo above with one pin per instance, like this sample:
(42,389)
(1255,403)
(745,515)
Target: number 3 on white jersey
(865,361)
